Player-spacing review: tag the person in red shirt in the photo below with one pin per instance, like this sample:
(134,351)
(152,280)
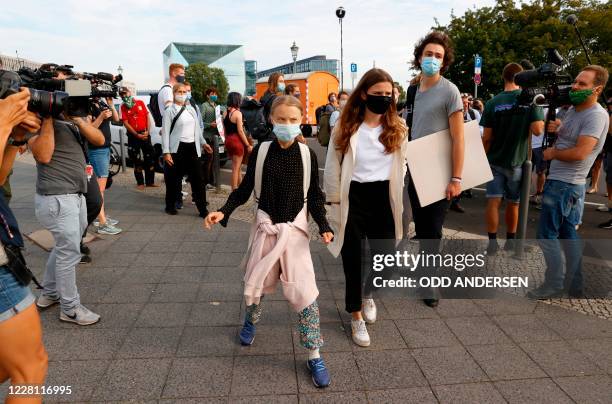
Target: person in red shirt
(135,117)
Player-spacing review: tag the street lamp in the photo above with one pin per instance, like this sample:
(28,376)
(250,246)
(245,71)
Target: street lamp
(294,50)
(340,13)
(120,72)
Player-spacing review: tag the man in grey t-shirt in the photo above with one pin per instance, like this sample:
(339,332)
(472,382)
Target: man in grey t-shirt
(580,138)
(59,150)
(437,106)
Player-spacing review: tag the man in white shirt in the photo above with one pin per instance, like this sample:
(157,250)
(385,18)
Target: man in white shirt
(176,74)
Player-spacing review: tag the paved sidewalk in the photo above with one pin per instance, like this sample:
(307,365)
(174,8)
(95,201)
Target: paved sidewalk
(170,296)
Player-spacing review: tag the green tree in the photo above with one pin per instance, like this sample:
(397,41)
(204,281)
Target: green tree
(510,32)
(402,96)
(202,77)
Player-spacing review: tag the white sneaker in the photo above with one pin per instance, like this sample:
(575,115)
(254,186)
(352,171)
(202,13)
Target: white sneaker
(80,315)
(369,311)
(112,222)
(603,208)
(108,229)
(360,333)
(44,301)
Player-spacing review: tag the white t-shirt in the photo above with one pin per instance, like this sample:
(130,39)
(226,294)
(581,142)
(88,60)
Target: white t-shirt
(185,126)
(334,118)
(165,95)
(371,162)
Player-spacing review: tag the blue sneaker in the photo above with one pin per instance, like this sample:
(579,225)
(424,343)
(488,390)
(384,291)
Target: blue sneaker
(247,334)
(320,375)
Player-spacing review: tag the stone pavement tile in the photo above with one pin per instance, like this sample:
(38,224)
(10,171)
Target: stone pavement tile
(150,343)
(127,247)
(183,274)
(223,292)
(505,362)
(448,365)
(178,227)
(54,339)
(198,247)
(158,219)
(587,389)
(221,313)
(426,333)
(342,370)
(328,259)
(199,377)
(229,275)
(128,293)
(525,328)
(278,399)
(325,291)
(85,344)
(154,259)
(163,246)
(469,393)
(597,350)
(218,259)
(507,305)
(208,341)
(476,330)
(421,395)
(184,259)
(114,260)
(389,369)
(405,308)
(166,236)
(116,315)
(458,308)
(175,292)
(209,400)
(383,335)
(558,358)
(273,312)
(164,315)
(348,397)
(81,376)
(224,247)
(269,340)
(92,292)
(335,338)
(259,375)
(142,275)
(133,379)
(572,325)
(328,311)
(333,272)
(541,391)
(206,236)
(338,289)
(138,236)
(95,275)
(236,237)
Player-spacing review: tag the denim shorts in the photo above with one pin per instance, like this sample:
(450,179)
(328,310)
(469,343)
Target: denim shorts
(539,164)
(100,160)
(14,297)
(506,183)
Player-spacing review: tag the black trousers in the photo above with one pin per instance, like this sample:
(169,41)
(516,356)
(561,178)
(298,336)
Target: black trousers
(186,161)
(369,217)
(142,154)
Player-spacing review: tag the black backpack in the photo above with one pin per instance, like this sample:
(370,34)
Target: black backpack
(254,119)
(154,107)
(318,112)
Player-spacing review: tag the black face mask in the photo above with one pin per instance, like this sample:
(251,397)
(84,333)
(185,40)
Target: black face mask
(180,79)
(378,104)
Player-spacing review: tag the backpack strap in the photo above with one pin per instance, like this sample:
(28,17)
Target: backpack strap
(305,153)
(410,97)
(176,119)
(261,158)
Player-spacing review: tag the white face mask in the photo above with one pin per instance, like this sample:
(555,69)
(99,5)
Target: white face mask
(180,98)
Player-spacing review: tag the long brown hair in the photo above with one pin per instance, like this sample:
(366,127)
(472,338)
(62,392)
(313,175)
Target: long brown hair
(394,130)
(273,82)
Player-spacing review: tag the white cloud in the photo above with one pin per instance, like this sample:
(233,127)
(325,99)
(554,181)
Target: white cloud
(99,36)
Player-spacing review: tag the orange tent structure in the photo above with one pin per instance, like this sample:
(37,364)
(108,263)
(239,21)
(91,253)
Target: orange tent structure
(314,89)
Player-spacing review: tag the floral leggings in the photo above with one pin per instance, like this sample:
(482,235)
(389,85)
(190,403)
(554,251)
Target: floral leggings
(308,324)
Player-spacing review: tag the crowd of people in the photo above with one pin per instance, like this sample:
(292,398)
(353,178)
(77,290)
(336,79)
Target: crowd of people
(365,194)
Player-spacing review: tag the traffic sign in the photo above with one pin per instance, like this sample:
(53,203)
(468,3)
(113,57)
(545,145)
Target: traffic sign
(353,67)
(477,79)
(478,62)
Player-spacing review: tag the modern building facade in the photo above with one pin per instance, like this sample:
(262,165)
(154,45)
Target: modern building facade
(311,64)
(250,71)
(229,58)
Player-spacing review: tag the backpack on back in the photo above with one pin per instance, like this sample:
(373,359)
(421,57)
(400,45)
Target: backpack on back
(324,129)
(254,119)
(154,107)
(319,112)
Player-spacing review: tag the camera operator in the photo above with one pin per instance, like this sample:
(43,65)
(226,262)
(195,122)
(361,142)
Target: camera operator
(580,138)
(23,358)
(102,111)
(60,153)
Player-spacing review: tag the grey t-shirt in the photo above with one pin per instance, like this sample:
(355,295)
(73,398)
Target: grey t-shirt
(592,122)
(433,107)
(65,173)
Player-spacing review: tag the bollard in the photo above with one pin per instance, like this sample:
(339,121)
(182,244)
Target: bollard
(122,148)
(523,210)
(216,163)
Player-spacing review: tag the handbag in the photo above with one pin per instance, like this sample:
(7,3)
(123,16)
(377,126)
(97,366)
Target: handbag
(245,158)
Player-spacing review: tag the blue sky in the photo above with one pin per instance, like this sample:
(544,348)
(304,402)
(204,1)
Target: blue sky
(100,35)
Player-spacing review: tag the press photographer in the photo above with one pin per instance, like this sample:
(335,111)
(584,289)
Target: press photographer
(23,358)
(579,139)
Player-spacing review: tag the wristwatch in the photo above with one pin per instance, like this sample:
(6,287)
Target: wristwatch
(16,143)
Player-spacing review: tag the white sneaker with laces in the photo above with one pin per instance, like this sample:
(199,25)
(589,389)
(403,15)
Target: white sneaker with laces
(360,333)
(369,311)
(108,228)
(80,315)
(45,301)
(112,222)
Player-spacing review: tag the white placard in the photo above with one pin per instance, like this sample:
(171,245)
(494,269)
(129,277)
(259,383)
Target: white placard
(429,161)
(219,120)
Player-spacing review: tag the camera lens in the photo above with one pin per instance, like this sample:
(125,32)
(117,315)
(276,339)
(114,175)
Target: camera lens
(47,103)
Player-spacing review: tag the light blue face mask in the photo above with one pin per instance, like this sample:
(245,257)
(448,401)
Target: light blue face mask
(281,87)
(188,95)
(430,66)
(286,132)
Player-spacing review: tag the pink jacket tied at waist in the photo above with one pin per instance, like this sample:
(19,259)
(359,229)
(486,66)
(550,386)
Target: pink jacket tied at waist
(280,251)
